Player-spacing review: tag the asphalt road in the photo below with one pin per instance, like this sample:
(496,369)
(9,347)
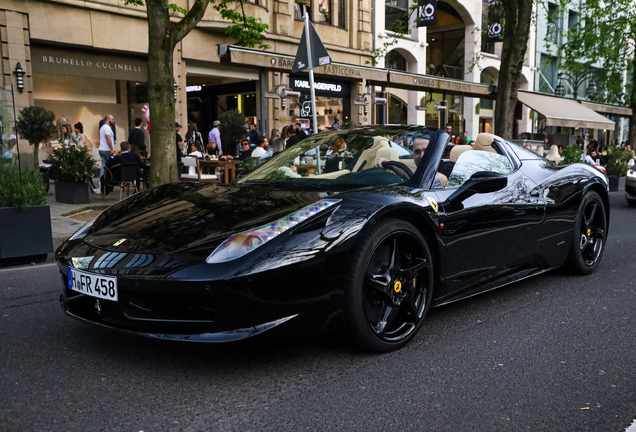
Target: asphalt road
(526,357)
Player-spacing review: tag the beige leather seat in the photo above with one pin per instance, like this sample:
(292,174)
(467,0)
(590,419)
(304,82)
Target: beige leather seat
(369,154)
(332,175)
(443,179)
(458,150)
(484,142)
(385,154)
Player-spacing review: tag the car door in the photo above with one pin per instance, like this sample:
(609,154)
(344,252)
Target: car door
(488,231)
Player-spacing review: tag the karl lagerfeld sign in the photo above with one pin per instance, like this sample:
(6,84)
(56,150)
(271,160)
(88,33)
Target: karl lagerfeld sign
(426,13)
(63,62)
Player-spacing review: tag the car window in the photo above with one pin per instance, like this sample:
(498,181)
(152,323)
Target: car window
(474,161)
(403,153)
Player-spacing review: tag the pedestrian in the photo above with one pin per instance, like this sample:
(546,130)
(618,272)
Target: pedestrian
(299,136)
(193,136)
(136,137)
(106,142)
(78,135)
(254,135)
(177,128)
(212,149)
(274,137)
(561,151)
(467,138)
(112,127)
(448,128)
(336,124)
(215,136)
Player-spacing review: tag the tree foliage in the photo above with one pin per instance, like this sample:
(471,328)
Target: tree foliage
(71,164)
(605,38)
(20,188)
(35,124)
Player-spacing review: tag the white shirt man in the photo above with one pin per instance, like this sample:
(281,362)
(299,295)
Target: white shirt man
(106,143)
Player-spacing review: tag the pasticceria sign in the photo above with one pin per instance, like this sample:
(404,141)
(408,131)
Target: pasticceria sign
(77,63)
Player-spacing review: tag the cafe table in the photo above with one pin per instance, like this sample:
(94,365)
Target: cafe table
(228,167)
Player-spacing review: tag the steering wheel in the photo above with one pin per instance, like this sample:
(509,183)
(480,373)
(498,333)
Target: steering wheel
(399,169)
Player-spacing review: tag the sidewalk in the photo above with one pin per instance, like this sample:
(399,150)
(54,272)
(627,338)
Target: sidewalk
(68,218)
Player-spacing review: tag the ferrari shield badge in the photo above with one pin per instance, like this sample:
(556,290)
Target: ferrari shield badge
(433,204)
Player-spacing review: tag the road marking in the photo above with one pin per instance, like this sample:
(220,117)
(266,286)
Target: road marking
(28,267)
(632,427)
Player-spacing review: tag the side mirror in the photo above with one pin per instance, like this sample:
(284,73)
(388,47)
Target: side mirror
(479,182)
(486,182)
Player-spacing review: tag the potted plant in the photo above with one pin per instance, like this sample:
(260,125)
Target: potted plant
(572,154)
(71,168)
(25,220)
(35,124)
(617,167)
(232,129)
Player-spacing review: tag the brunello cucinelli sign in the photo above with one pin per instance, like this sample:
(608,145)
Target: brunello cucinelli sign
(77,63)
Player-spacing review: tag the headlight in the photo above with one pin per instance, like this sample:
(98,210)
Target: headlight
(81,233)
(631,173)
(242,243)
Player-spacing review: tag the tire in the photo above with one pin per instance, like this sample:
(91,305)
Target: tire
(589,236)
(389,286)
(631,202)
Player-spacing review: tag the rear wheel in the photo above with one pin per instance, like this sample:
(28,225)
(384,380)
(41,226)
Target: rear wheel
(389,287)
(589,235)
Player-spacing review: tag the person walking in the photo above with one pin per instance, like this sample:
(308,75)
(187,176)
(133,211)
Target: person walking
(254,136)
(215,135)
(106,142)
(193,136)
(177,128)
(136,137)
(112,127)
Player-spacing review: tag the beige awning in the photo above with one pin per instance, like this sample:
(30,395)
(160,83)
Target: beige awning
(608,109)
(564,112)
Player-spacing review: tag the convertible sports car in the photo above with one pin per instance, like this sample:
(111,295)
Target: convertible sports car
(336,233)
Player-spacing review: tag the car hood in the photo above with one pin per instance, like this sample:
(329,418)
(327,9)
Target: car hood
(181,216)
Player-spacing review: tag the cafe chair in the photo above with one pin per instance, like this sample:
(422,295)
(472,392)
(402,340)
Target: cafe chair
(124,175)
(191,161)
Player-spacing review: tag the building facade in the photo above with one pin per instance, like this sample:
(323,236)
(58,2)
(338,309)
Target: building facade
(84,60)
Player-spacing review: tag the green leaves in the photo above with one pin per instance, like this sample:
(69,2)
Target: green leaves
(572,154)
(20,190)
(71,164)
(35,124)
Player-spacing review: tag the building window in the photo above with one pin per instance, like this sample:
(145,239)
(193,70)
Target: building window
(342,14)
(395,61)
(298,9)
(573,20)
(396,14)
(553,24)
(324,11)
(547,74)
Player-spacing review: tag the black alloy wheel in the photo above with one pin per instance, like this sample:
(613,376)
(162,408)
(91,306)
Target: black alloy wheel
(390,286)
(589,235)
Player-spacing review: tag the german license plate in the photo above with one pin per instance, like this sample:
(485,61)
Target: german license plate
(91,284)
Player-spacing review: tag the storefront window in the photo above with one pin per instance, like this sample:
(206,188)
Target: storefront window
(398,113)
(333,101)
(396,61)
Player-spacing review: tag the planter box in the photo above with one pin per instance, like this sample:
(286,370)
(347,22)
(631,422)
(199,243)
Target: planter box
(25,233)
(71,193)
(616,184)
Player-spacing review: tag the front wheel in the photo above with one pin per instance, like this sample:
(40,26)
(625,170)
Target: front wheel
(589,234)
(389,287)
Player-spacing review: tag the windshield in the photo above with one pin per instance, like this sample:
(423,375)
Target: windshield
(364,156)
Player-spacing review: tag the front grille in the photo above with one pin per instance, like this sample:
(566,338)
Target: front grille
(148,308)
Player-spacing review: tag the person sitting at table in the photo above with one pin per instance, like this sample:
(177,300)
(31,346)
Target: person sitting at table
(247,149)
(196,151)
(262,150)
(120,157)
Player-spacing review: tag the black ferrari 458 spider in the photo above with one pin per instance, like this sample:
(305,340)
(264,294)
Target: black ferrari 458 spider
(360,230)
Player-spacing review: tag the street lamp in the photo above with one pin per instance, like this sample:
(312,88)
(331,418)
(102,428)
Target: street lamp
(575,81)
(19,75)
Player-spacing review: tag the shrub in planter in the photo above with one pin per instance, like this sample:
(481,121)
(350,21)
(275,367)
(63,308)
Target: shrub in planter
(617,167)
(572,154)
(25,222)
(71,168)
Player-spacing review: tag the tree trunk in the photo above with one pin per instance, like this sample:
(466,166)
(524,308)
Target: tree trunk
(161,94)
(36,156)
(632,104)
(518,15)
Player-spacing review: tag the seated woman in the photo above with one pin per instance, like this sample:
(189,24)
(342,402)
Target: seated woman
(196,151)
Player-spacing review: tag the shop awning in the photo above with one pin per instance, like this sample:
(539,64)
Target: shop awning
(430,83)
(608,109)
(564,112)
(282,62)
